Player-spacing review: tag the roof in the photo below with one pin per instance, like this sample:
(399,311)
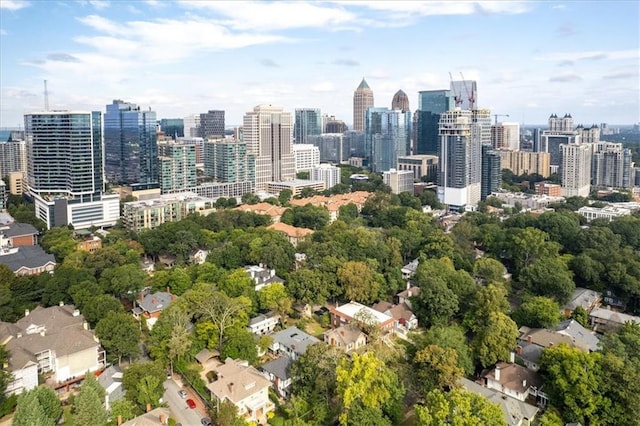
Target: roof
(568,332)
(262,208)
(205,355)
(613,316)
(236,381)
(27,256)
(152,418)
(279,367)
(352,308)
(291,231)
(156,302)
(295,339)
(262,317)
(580,335)
(514,376)
(582,297)
(411,267)
(513,409)
(111,380)
(16,229)
(347,335)
(410,292)
(363,85)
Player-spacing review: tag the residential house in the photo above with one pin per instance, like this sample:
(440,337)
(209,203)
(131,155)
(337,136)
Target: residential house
(515,381)
(20,234)
(278,371)
(264,323)
(347,313)
(199,257)
(57,339)
(404,297)
(409,270)
(346,337)
(274,212)
(156,417)
(262,276)
(515,412)
(605,319)
(244,387)
(90,244)
(111,381)
(588,299)
(24,259)
(294,234)
(305,310)
(151,305)
(334,202)
(291,342)
(404,318)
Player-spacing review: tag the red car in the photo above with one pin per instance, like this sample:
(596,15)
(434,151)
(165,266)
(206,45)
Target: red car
(191,403)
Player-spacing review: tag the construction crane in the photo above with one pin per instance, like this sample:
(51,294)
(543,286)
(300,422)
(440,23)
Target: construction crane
(456,96)
(470,96)
(495,116)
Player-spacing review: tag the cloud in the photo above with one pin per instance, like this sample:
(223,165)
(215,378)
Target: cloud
(565,63)
(346,62)
(13,4)
(269,63)
(322,87)
(99,4)
(13,92)
(565,78)
(592,55)
(559,6)
(621,75)
(565,30)
(62,57)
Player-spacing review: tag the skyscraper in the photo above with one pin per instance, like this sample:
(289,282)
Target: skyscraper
(491,171)
(130,145)
(431,104)
(505,136)
(267,131)
(400,101)
(173,127)
(308,122)
(462,134)
(13,157)
(560,132)
(65,169)
(387,137)
(362,99)
(212,124)
(177,166)
(611,165)
(227,160)
(575,170)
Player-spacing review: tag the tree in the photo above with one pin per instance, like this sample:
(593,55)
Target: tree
(99,306)
(488,299)
(29,412)
(366,381)
(495,340)
(436,367)
(458,407)
(59,241)
(240,344)
(488,270)
(119,334)
(360,281)
(150,390)
(530,244)
(447,337)
(538,312)
(284,196)
(581,315)
(49,402)
(310,285)
(123,409)
(123,279)
(135,373)
(89,409)
(548,277)
(250,198)
(275,297)
(237,283)
(226,414)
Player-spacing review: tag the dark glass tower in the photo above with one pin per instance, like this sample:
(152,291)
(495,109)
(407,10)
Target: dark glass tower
(130,146)
(431,105)
(491,171)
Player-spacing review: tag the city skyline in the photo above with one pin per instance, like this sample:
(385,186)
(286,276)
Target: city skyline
(530,59)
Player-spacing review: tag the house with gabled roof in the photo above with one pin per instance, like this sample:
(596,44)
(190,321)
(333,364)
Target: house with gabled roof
(150,306)
(291,342)
(262,276)
(24,259)
(346,338)
(263,323)
(515,381)
(278,371)
(587,299)
(606,319)
(354,311)
(294,234)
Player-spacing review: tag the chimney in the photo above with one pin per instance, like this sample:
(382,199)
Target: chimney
(61,303)
(524,383)
(18,335)
(497,373)
(519,350)
(26,312)
(529,338)
(119,420)
(148,407)
(76,313)
(168,289)
(162,419)
(409,293)
(512,357)
(42,332)
(85,325)
(408,285)
(230,387)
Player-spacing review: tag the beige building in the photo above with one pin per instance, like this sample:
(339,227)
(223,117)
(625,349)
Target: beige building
(576,169)
(149,214)
(362,99)
(398,180)
(420,165)
(520,162)
(16,183)
(505,136)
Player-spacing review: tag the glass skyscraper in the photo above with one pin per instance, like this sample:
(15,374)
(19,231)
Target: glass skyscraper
(387,137)
(431,105)
(308,122)
(130,146)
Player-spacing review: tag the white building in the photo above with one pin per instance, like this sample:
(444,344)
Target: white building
(307,157)
(398,180)
(328,173)
(98,211)
(506,136)
(576,169)
(607,212)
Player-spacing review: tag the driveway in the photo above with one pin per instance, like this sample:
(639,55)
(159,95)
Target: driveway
(178,405)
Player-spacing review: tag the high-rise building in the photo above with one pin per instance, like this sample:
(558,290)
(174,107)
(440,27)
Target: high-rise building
(130,146)
(588,134)
(334,125)
(308,122)
(575,169)
(332,146)
(65,169)
(327,173)
(267,131)
(355,141)
(398,180)
(400,101)
(192,126)
(227,160)
(465,94)
(177,166)
(212,124)
(522,162)
(362,100)
(431,104)
(387,137)
(13,157)
(505,136)
(173,127)
(611,165)
(491,171)
(560,132)
(307,156)
(462,134)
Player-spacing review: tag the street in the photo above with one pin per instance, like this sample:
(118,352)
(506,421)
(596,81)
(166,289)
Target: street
(178,405)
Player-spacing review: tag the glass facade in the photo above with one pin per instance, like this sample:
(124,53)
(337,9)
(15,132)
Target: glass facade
(491,171)
(431,104)
(173,127)
(387,137)
(308,122)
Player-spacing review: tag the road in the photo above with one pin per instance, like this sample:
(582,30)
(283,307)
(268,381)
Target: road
(178,406)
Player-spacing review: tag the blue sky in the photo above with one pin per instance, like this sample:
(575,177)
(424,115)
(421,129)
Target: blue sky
(530,59)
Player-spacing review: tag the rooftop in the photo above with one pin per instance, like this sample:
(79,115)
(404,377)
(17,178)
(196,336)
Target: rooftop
(295,339)
(236,381)
(352,308)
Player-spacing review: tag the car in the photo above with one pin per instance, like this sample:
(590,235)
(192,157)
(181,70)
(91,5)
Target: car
(206,421)
(191,403)
(183,394)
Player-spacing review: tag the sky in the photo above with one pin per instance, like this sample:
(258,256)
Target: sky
(530,58)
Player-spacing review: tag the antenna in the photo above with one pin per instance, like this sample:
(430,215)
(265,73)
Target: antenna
(46,97)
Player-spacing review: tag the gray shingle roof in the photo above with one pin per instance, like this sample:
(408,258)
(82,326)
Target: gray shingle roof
(279,367)
(27,256)
(156,302)
(17,229)
(294,339)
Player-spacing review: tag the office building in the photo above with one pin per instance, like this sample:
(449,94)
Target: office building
(307,156)
(400,101)
(227,160)
(330,124)
(332,146)
(522,162)
(491,171)
(550,189)
(462,134)
(327,173)
(576,169)
(177,166)
(65,169)
(387,137)
(560,132)
(505,136)
(267,131)
(355,143)
(192,126)
(130,145)
(431,104)
(308,122)
(212,124)
(362,100)
(465,94)
(172,127)
(422,166)
(398,180)
(611,166)
(13,157)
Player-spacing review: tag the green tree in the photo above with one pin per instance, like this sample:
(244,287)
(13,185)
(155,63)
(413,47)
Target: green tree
(310,285)
(436,367)
(179,281)
(122,279)
(494,341)
(581,315)
(548,277)
(99,306)
(59,241)
(124,409)
(488,299)
(89,409)
(488,270)
(447,337)
(435,304)
(284,197)
(240,344)
(348,212)
(49,402)
(150,391)
(360,281)
(250,198)
(458,407)
(237,283)
(135,373)
(531,244)
(29,412)
(275,297)
(119,334)
(226,414)
(538,312)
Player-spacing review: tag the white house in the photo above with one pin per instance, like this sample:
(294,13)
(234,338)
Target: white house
(264,323)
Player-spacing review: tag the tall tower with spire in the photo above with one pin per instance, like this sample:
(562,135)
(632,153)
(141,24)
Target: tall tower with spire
(362,99)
